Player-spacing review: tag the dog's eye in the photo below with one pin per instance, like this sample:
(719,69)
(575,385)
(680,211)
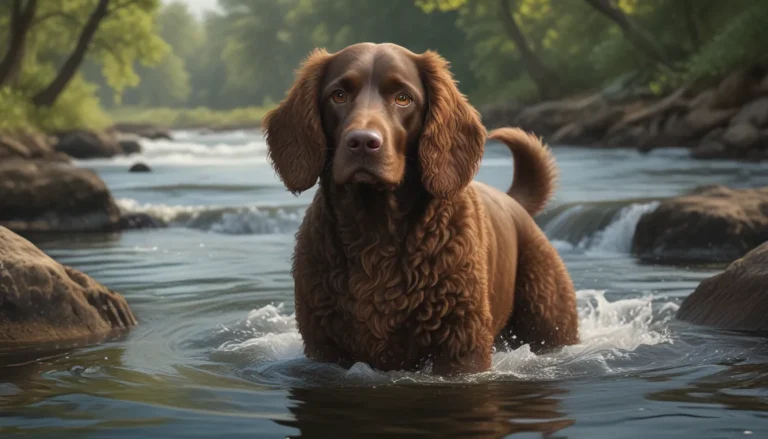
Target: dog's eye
(403,100)
(339,96)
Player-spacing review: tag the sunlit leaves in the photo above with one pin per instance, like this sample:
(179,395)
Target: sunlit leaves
(440,5)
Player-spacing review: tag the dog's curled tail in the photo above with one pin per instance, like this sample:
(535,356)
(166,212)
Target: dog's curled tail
(535,171)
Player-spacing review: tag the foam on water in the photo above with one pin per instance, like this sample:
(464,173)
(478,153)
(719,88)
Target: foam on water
(247,220)
(610,331)
(219,136)
(616,237)
(191,152)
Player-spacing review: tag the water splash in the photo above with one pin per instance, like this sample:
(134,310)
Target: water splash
(596,228)
(268,344)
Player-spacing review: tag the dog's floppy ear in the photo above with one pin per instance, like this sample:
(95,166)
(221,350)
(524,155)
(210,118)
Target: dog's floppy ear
(453,138)
(295,138)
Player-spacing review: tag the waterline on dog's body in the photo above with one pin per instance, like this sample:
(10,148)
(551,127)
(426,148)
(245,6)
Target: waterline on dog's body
(611,332)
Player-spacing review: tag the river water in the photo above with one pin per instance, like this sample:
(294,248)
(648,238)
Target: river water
(217,353)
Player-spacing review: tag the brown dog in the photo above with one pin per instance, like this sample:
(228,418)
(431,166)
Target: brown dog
(402,258)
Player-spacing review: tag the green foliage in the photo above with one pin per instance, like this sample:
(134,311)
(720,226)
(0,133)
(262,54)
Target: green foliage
(16,109)
(741,41)
(192,71)
(125,38)
(190,117)
(168,82)
(76,108)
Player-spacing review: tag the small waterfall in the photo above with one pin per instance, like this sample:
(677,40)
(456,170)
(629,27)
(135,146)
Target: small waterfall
(599,227)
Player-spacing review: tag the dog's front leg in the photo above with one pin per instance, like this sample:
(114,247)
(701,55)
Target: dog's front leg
(468,348)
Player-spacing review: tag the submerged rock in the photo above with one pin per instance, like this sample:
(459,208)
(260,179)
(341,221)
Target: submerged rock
(132,221)
(713,223)
(87,145)
(45,196)
(140,167)
(42,300)
(736,299)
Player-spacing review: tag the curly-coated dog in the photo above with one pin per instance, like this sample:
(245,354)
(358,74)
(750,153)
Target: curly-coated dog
(402,260)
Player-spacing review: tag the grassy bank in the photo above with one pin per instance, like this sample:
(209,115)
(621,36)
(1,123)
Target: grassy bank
(181,118)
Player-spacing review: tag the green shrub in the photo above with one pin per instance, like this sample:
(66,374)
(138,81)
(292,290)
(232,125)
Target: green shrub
(189,117)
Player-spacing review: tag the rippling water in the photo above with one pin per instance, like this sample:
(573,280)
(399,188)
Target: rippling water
(217,352)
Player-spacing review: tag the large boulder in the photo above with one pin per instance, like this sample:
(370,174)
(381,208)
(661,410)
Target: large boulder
(755,113)
(712,223)
(26,145)
(88,145)
(742,136)
(45,196)
(737,89)
(44,301)
(703,120)
(736,299)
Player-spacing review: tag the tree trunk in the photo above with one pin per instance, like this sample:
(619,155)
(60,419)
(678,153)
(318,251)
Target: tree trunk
(637,36)
(545,79)
(691,25)
(21,20)
(47,97)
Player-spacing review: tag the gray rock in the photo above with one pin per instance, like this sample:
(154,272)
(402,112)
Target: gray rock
(736,89)
(742,136)
(712,223)
(140,167)
(44,301)
(45,196)
(736,299)
(755,113)
(87,145)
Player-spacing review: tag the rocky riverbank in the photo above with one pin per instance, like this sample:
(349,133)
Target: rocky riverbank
(709,224)
(723,120)
(41,191)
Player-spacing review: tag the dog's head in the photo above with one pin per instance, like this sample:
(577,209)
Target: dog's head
(370,111)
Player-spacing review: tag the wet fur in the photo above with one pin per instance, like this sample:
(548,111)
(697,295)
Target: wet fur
(435,270)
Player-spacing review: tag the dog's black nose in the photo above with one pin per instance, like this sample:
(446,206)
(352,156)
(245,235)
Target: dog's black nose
(368,139)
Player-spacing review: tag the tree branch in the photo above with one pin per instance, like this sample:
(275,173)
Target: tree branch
(56,14)
(122,5)
(636,35)
(545,79)
(47,97)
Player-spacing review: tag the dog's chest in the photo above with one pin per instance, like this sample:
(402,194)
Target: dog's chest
(397,300)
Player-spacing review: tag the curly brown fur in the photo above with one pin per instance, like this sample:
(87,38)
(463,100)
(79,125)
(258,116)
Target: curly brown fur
(401,259)
(535,170)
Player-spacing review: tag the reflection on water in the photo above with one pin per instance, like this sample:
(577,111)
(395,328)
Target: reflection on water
(217,353)
(488,410)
